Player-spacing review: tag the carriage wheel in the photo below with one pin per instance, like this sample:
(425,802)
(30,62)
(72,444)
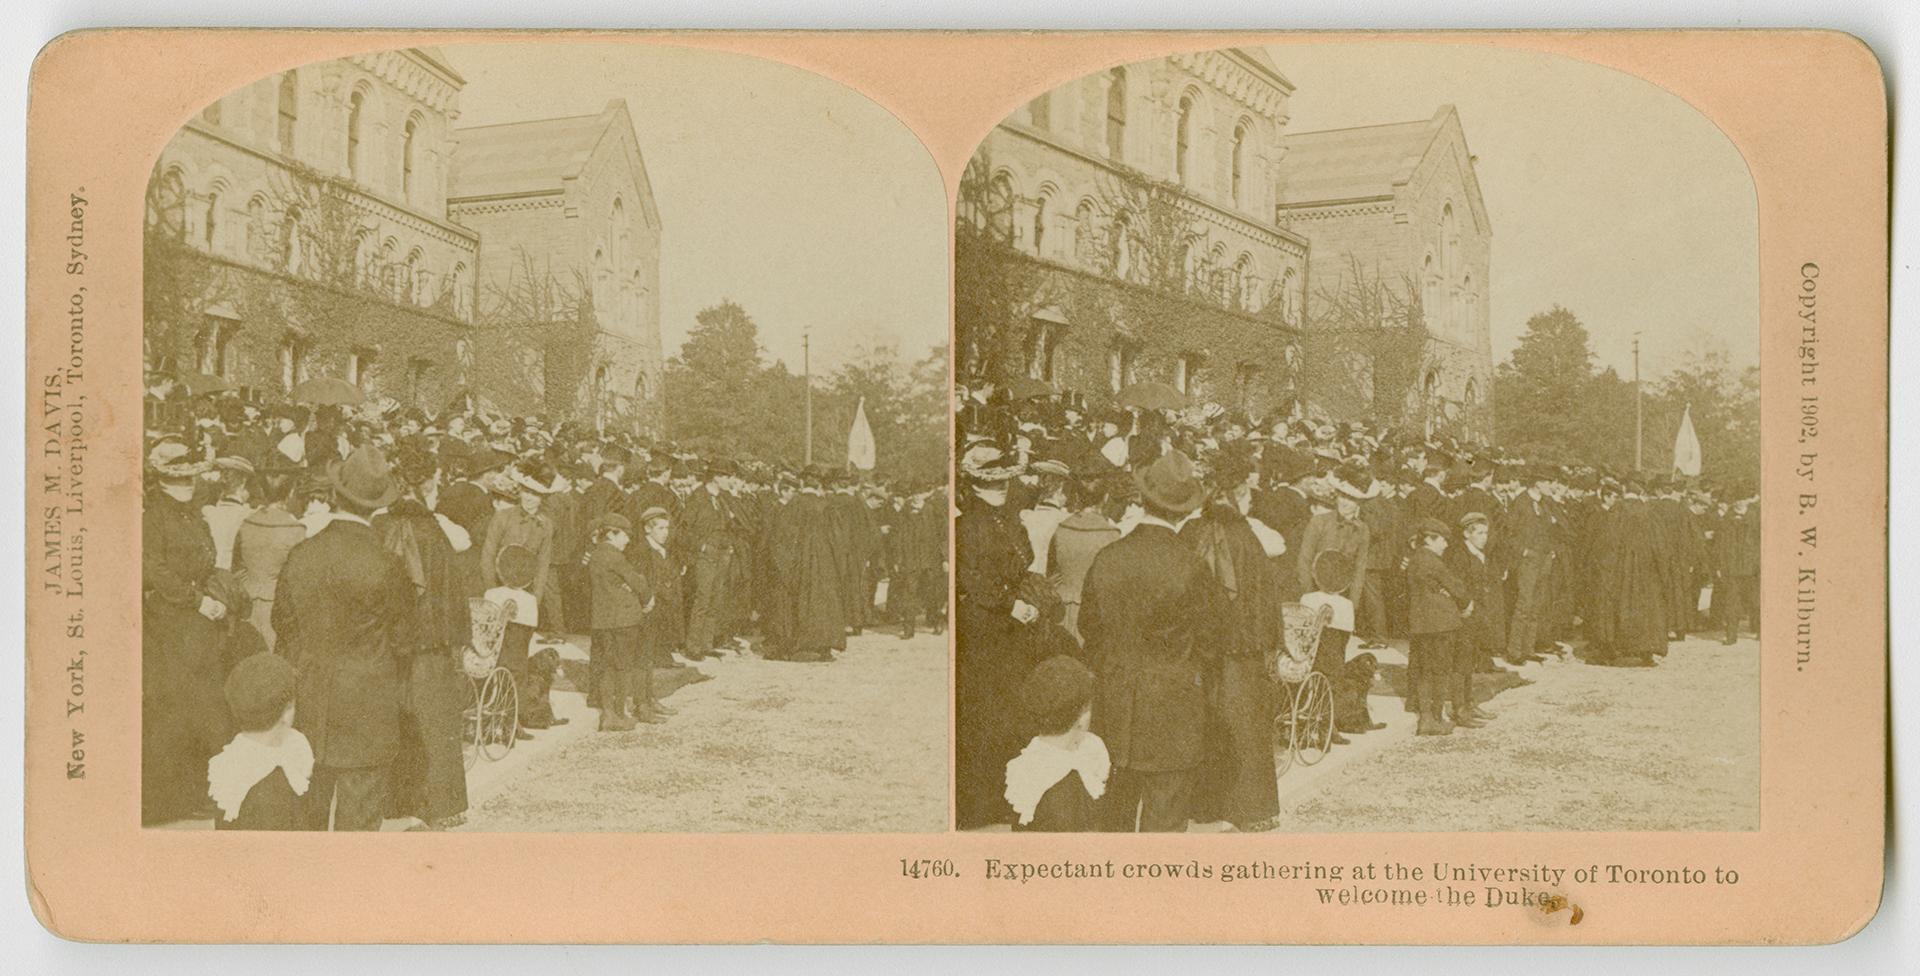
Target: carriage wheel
(499,715)
(1313,718)
(1283,737)
(470,725)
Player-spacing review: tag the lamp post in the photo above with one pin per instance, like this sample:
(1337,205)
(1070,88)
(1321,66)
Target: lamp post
(806,370)
(1639,420)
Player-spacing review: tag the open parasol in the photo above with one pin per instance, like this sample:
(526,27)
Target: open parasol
(323,390)
(1151,396)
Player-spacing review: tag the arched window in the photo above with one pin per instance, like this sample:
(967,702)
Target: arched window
(600,379)
(1430,386)
(289,111)
(1083,232)
(356,103)
(1429,291)
(1472,394)
(640,391)
(210,221)
(359,366)
(1182,373)
(1182,138)
(602,281)
(1000,200)
(1239,153)
(1289,310)
(1239,283)
(256,227)
(1122,244)
(293,234)
(1040,225)
(1449,244)
(617,234)
(457,289)
(406,158)
(169,204)
(413,283)
(1116,113)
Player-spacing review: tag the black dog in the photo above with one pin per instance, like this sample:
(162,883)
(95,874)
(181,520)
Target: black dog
(536,708)
(1350,687)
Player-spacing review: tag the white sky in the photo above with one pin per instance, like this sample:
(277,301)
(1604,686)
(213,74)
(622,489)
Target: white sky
(790,194)
(1606,193)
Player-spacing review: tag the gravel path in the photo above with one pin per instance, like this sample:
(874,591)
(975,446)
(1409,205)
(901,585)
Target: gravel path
(856,745)
(1674,747)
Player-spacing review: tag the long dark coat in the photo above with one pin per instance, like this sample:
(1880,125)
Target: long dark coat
(345,616)
(992,655)
(430,780)
(183,711)
(810,613)
(1632,602)
(665,627)
(1238,782)
(1155,623)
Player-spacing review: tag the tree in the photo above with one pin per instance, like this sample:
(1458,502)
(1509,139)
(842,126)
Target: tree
(1539,391)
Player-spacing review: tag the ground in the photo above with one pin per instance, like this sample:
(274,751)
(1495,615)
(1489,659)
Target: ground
(856,745)
(1674,747)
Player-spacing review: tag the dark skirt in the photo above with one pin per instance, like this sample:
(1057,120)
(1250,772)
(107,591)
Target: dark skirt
(270,805)
(1067,806)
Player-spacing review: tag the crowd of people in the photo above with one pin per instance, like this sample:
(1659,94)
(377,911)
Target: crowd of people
(310,572)
(1121,575)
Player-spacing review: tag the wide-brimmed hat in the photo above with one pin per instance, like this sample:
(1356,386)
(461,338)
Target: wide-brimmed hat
(1170,483)
(170,459)
(988,464)
(529,482)
(364,478)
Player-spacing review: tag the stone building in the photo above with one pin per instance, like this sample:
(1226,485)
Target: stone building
(307,225)
(1216,295)
(1400,204)
(566,196)
(1153,178)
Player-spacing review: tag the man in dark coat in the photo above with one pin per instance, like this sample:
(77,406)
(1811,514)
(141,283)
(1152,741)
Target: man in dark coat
(1737,567)
(1155,621)
(705,532)
(344,613)
(1528,538)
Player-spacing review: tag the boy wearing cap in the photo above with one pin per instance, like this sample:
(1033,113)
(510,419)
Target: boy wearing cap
(1437,601)
(257,781)
(621,600)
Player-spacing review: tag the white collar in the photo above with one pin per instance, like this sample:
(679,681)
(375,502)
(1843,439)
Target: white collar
(1157,520)
(341,516)
(246,761)
(1042,764)
(1476,552)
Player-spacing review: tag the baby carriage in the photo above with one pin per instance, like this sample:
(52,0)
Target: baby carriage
(1303,724)
(490,724)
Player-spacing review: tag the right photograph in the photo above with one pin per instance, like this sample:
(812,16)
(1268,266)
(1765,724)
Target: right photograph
(1357,437)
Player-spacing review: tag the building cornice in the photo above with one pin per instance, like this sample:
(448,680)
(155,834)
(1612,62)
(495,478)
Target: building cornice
(416,76)
(1235,77)
(419,220)
(1271,234)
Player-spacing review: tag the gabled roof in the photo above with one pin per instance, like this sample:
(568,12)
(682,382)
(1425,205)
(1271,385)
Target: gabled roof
(1365,162)
(1260,59)
(536,156)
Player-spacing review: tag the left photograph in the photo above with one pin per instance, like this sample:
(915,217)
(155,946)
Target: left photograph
(545,437)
